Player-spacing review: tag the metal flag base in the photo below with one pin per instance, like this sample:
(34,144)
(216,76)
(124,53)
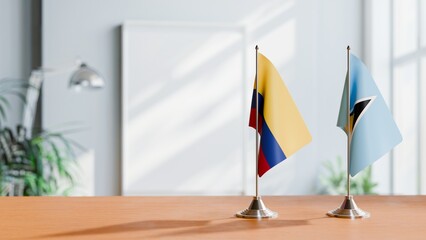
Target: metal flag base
(348,209)
(257,209)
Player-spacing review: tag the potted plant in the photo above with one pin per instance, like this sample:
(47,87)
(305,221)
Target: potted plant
(40,164)
(334,180)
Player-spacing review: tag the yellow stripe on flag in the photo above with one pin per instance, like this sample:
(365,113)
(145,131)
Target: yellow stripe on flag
(280,111)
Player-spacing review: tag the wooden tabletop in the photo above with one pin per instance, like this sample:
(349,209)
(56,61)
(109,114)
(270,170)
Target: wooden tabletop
(392,217)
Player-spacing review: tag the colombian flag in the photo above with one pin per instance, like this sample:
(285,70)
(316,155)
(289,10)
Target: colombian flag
(281,127)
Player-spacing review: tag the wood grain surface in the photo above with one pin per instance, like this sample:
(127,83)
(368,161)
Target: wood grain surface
(300,217)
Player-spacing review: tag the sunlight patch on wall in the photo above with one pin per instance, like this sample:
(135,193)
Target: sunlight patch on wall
(214,45)
(283,36)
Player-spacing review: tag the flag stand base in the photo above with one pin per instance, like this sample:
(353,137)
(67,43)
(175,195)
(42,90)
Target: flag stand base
(348,209)
(257,209)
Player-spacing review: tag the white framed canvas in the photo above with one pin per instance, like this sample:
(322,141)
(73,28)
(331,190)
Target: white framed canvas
(184,109)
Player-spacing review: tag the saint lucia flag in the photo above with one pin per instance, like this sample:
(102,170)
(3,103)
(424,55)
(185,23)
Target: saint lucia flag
(373,130)
(281,127)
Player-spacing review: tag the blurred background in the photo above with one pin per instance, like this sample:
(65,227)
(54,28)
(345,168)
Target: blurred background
(172,115)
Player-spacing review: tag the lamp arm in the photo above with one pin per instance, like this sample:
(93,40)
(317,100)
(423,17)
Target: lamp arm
(33,93)
(83,76)
(53,71)
(32,96)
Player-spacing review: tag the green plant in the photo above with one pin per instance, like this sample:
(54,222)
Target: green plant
(334,181)
(41,164)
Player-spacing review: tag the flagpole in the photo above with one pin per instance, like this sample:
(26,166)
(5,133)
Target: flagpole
(348,208)
(257,208)
(348,126)
(257,129)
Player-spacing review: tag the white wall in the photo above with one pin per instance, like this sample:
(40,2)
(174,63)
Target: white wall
(15,47)
(340,23)
(305,39)
(394,54)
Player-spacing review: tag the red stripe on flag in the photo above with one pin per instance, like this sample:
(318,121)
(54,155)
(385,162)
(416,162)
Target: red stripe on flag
(263,165)
(252,120)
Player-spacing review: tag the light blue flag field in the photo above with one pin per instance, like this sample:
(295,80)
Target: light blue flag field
(372,127)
